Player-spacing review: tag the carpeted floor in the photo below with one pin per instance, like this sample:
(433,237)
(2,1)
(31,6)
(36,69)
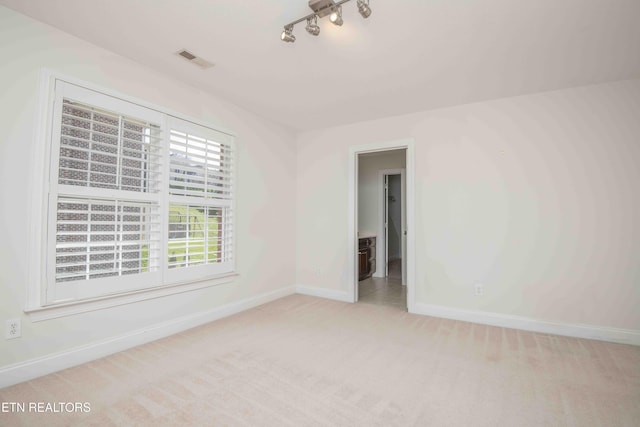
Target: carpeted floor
(305,361)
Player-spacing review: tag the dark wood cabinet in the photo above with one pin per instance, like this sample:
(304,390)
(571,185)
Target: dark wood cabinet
(366,257)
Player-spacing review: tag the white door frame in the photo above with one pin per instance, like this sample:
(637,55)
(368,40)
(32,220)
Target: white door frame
(381,242)
(352,221)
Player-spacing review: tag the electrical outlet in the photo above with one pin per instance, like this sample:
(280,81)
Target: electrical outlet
(12,329)
(479,289)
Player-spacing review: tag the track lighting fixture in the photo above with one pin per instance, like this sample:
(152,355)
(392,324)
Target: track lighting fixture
(312,26)
(336,16)
(322,8)
(287,35)
(364,8)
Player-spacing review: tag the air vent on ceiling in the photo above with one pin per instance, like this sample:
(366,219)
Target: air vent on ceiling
(194,59)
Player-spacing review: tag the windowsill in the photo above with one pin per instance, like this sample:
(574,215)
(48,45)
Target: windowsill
(54,311)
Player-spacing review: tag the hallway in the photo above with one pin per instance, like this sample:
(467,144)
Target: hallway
(385,291)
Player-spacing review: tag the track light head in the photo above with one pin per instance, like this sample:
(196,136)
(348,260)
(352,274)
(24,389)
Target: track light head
(336,16)
(312,26)
(363,8)
(287,35)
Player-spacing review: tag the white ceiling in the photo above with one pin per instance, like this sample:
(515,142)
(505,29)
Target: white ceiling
(410,55)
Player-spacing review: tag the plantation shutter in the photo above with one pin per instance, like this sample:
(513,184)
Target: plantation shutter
(201,186)
(138,199)
(105,224)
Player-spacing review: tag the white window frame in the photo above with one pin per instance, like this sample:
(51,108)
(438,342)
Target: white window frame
(45,156)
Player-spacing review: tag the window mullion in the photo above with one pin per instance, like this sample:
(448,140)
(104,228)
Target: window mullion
(187,256)
(119,218)
(144,173)
(90,154)
(87,267)
(205,249)
(119,153)
(165,202)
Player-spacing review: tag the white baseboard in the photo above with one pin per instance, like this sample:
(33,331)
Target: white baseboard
(30,369)
(324,293)
(623,336)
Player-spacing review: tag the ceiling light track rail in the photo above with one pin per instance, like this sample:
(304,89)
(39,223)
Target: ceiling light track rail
(322,8)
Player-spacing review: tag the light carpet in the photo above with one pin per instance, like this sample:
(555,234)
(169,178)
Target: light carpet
(305,361)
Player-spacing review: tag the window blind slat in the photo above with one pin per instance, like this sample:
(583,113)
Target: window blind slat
(132,153)
(98,237)
(133,135)
(103,149)
(198,235)
(199,167)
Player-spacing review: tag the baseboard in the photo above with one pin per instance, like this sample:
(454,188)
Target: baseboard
(622,336)
(324,293)
(30,369)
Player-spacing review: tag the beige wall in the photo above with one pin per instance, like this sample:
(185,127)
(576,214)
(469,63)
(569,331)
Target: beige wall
(368,198)
(536,197)
(266,177)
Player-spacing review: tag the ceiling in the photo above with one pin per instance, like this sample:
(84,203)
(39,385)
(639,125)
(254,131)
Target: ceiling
(408,56)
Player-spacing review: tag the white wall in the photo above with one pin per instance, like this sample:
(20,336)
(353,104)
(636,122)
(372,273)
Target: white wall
(266,182)
(536,197)
(368,186)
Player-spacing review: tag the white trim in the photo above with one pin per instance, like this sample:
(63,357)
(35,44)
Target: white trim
(352,214)
(352,225)
(410,206)
(30,369)
(323,293)
(623,336)
(51,75)
(40,313)
(39,181)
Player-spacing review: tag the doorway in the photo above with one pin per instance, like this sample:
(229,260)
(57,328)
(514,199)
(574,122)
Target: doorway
(394,250)
(386,205)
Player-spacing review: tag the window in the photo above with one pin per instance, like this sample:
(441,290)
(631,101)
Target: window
(138,198)
(200,196)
